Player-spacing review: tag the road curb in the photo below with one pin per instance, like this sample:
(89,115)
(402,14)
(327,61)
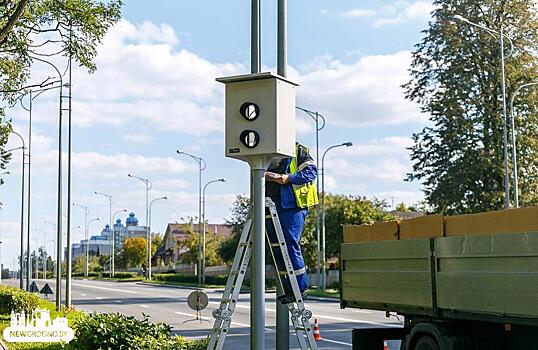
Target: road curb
(176,286)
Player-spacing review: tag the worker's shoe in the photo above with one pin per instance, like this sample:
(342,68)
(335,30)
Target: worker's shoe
(289,298)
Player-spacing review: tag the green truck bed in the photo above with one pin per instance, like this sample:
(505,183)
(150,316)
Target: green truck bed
(489,277)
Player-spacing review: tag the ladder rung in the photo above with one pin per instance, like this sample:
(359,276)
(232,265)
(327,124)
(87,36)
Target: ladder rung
(243,244)
(275,245)
(268,216)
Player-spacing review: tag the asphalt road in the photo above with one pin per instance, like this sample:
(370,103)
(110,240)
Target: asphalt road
(169,305)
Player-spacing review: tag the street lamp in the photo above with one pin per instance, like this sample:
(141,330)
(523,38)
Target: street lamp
(86,212)
(110,201)
(316,117)
(44,250)
(36,269)
(201,167)
(88,246)
(323,250)
(203,223)
(112,267)
(149,229)
(53,249)
(149,185)
(500,36)
(21,285)
(514,153)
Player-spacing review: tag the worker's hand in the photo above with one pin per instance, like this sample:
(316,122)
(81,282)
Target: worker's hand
(269,176)
(284,179)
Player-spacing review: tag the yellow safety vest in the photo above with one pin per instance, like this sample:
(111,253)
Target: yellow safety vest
(305,195)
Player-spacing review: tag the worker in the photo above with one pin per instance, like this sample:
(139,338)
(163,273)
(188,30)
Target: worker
(290,184)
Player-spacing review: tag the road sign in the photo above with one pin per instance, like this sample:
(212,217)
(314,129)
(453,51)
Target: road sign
(198,300)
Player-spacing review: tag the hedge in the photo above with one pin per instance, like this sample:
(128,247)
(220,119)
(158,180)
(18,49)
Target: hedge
(116,331)
(215,280)
(17,300)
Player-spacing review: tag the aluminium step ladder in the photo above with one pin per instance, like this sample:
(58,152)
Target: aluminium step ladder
(300,316)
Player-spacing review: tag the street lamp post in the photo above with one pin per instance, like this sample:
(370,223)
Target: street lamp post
(88,246)
(514,153)
(500,36)
(203,226)
(201,167)
(21,265)
(316,117)
(149,185)
(44,251)
(323,251)
(53,249)
(113,253)
(36,266)
(110,202)
(86,224)
(149,229)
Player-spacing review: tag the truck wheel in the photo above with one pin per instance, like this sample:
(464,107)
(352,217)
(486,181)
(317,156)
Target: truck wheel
(426,343)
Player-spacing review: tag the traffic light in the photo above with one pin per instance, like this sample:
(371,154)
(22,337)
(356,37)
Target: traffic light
(259,116)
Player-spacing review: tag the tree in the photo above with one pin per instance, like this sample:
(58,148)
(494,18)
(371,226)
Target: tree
(134,251)
(156,242)
(340,210)
(190,245)
(31,30)
(456,80)
(240,213)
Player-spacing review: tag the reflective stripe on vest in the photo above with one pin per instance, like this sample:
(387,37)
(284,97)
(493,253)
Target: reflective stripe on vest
(305,195)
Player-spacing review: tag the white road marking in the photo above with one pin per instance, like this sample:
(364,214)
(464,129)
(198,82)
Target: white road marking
(104,288)
(336,342)
(119,301)
(144,306)
(98,298)
(209,319)
(332,318)
(83,294)
(362,311)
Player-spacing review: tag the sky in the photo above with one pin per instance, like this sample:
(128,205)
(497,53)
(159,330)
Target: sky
(155,92)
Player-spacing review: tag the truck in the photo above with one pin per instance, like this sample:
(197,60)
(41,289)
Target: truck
(463,292)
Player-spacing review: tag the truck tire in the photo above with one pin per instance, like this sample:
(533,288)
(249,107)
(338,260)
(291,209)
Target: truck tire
(426,343)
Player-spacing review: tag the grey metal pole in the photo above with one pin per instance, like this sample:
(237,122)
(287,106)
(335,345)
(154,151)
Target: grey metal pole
(28,200)
(21,285)
(514,150)
(318,233)
(59,206)
(148,232)
(200,234)
(282,313)
(68,262)
(113,238)
(505,129)
(257,299)
(255,38)
(323,250)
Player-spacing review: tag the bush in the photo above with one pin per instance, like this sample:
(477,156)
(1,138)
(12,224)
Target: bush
(218,280)
(115,331)
(121,275)
(17,300)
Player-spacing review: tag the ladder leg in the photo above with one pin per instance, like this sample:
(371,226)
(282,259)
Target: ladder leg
(227,305)
(299,315)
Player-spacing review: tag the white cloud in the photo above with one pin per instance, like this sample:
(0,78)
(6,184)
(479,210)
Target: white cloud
(359,13)
(365,93)
(141,139)
(400,12)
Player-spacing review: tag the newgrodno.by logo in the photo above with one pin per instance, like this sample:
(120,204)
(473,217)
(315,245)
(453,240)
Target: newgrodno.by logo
(38,328)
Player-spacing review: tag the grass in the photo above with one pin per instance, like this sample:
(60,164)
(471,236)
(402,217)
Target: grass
(328,293)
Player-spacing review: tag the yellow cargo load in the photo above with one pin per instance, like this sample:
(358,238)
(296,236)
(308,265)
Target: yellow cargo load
(422,227)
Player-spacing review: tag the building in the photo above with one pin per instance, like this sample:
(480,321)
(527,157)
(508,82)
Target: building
(102,244)
(171,249)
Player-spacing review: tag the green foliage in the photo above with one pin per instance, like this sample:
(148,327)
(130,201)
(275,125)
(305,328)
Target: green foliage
(340,210)
(172,277)
(17,300)
(456,80)
(134,251)
(240,213)
(123,275)
(116,331)
(41,31)
(190,244)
